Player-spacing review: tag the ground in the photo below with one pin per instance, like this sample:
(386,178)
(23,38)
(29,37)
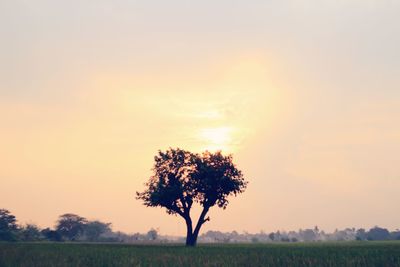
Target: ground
(300,254)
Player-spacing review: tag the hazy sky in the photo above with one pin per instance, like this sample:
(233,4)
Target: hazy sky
(305,94)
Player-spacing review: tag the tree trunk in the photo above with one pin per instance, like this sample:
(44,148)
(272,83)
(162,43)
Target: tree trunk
(189,234)
(191,237)
(191,240)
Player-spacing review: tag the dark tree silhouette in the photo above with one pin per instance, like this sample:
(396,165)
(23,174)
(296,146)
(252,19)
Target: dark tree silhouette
(378,233)
(51,235)
(8,226)
(70,226)
(182,178)
(94,229)
(152,234)
(30,232)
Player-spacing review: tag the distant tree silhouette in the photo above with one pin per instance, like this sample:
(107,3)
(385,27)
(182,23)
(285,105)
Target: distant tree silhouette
(378,233)
(152,234)
(272,236)
(8,226)
(94,229)
(70,226)
(182,178)
(30,232)
(361,234)
(308,235)
(51,235)
(395,235)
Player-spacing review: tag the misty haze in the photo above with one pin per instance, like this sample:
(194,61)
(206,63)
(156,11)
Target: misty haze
(200,133)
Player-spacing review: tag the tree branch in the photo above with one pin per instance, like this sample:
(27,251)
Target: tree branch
(176,209)
(201,220)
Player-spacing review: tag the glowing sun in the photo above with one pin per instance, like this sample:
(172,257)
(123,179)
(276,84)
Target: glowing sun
(218,138)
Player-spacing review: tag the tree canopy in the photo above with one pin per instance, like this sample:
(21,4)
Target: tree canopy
(94,229)
(181,178)
(8,225)
(70,226)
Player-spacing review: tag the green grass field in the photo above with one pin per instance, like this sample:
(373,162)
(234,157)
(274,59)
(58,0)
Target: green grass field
(311,254)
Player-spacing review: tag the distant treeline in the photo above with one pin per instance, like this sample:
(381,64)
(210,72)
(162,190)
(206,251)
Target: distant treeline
(72,227)
(303,235)
(69,227)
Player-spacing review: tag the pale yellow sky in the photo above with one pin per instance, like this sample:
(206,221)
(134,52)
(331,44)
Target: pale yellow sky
(305,94)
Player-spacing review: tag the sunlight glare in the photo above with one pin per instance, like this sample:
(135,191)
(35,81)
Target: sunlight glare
(218,138)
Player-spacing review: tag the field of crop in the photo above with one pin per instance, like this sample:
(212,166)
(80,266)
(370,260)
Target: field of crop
(312,254)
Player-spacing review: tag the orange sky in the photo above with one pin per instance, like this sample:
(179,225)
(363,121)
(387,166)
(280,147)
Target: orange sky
(305,95)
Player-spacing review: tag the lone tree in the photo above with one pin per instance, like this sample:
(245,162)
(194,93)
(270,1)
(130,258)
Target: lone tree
(182,178)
